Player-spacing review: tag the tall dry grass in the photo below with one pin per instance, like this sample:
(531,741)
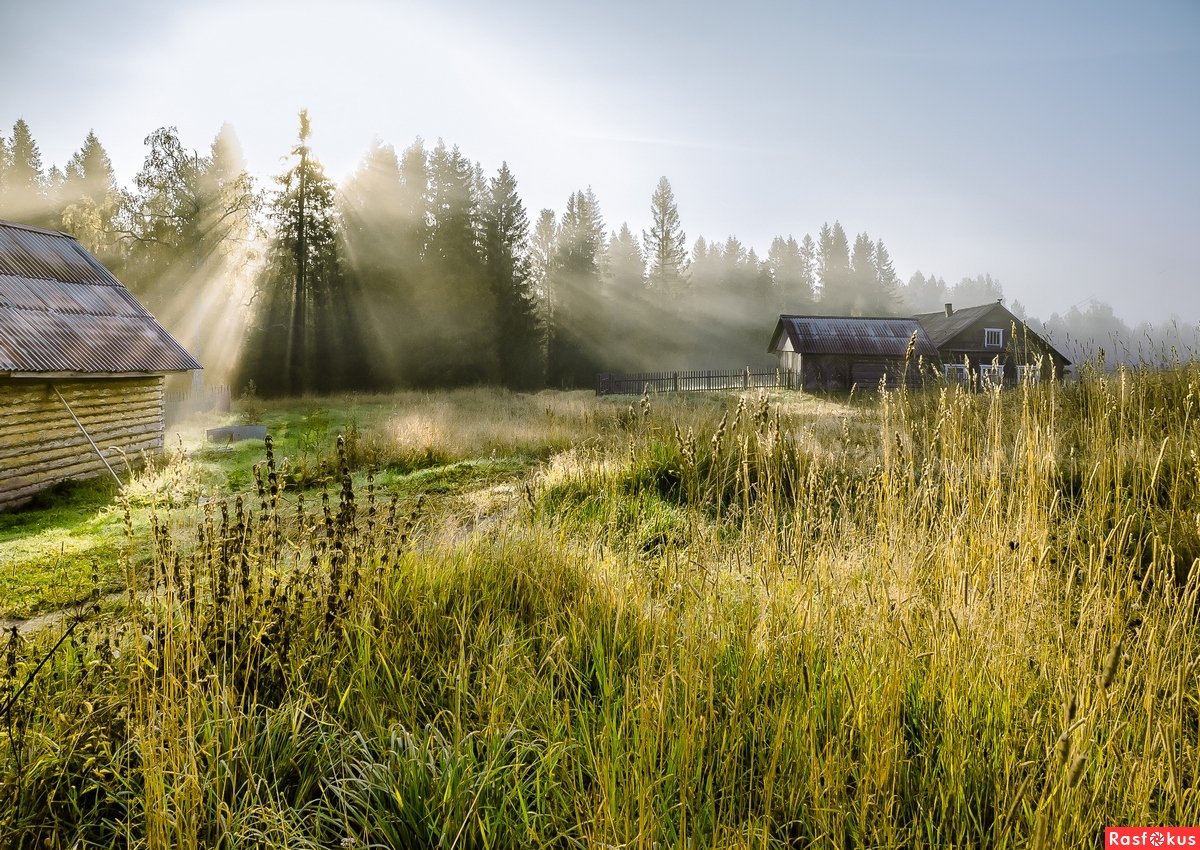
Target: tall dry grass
(937,619)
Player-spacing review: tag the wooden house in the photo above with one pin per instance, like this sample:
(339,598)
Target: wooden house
(988,343)
(822,353)
(82,366)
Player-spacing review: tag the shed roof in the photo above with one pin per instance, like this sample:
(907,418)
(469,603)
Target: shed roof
(853,335)
(62,311)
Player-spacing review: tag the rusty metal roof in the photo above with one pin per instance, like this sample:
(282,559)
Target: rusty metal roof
(62,311)
(852,335)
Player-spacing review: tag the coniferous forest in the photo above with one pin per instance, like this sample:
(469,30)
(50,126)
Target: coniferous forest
(422,270)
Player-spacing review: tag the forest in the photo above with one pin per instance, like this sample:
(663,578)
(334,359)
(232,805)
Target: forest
(421,270)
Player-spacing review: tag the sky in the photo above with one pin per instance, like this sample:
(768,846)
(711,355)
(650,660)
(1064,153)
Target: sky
(1049,144)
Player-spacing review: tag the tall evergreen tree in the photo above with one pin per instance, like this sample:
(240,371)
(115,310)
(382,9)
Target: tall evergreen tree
(509,273)
(542,250)
(665,243)
(886,280)
(25,182)
(833,262)
(792,275)
(574,351)
(378,272)
(861,295)
(299,343)
(456,303)
(631,323)
(91,203)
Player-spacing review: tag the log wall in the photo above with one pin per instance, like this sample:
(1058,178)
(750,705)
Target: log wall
(40,444)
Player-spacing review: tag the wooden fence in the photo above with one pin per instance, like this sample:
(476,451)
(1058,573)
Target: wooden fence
(636,383)
(179,406)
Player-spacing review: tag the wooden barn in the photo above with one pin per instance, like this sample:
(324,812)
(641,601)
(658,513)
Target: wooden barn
(82,366)
(822,353)
(992,343)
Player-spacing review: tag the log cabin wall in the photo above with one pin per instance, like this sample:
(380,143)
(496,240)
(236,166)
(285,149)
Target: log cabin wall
(40,444)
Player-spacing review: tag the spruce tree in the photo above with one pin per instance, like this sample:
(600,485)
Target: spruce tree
(456,304)
(632,324)
(862,298)
(574,353)
(509,273)
(887,282)
(833,262)
(665,243)
(301,338)
(379,273)
(91,203)
(25,182)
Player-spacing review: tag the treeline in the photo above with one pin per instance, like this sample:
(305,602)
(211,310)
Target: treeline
(423,271)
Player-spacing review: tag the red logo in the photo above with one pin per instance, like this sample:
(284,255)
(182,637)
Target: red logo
(1152,836)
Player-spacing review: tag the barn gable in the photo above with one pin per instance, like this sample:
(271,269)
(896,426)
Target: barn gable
(82,365)
(989,333)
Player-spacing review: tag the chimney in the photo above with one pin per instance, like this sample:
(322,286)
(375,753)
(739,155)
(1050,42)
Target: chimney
(949,309)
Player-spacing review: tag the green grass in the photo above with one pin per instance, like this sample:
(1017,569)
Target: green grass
(930,619)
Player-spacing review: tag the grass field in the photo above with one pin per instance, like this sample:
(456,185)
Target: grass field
(487,620)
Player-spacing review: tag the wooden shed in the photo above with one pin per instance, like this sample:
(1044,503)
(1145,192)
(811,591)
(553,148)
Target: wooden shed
(82,366)
(840,352)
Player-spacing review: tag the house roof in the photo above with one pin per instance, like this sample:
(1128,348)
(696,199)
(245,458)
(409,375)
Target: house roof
(942,328)
(852,335)
(62,311)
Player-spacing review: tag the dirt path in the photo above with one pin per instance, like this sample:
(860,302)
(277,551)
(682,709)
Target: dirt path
(51,619)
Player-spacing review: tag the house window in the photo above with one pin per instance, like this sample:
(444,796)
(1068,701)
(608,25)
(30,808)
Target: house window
(991,374)
(1030,374)
(993,337)
(956,373)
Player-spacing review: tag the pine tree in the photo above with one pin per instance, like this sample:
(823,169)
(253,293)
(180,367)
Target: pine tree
(25,182)
(456,304)
(574,354)
(508,265)
(862,297)
(379,272)
(887,282)
(300,343)
(833,262)
(630,326)
(665,243)
(542,250)
(91,203)
(792,275)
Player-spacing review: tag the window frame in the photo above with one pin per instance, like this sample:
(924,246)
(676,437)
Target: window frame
(991,374)
(999,337)
(956,372)
(1028,372)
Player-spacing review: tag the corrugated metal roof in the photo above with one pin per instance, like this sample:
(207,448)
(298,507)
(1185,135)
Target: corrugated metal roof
(942,328)
(62,311)
(853,335)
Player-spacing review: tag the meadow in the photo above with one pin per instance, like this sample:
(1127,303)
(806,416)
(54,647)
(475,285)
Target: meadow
(473,619)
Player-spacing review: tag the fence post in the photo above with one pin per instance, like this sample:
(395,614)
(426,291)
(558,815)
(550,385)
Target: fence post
(675,381)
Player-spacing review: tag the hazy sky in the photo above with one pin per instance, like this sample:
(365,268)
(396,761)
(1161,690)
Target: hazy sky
(1053,145)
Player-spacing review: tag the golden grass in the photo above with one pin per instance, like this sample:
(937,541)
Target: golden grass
(935,619)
